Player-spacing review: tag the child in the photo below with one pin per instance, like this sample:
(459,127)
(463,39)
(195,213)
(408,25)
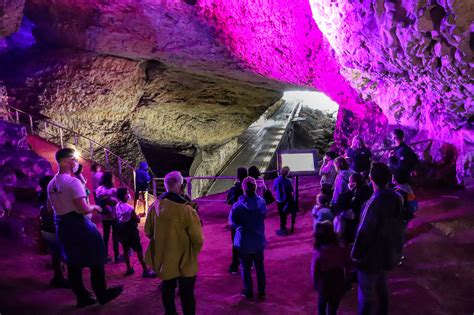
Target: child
(328,173)
(128,232)
(410,204)
(321,211)
(329,268)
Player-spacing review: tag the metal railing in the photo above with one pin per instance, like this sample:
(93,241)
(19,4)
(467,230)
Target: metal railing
(61,135)
(159,187)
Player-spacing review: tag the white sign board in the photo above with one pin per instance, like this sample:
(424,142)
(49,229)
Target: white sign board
(299,162)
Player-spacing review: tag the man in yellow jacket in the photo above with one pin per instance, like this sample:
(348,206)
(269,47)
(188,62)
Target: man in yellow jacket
(175,234)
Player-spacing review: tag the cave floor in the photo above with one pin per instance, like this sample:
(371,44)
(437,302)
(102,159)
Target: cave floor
(436,278)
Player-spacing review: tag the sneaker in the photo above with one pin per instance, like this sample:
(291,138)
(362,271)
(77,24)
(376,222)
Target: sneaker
(282,232)
(111,294)
(60,283)
(86,301)
(129,272)
(149,274)
(246,295)
(233,271)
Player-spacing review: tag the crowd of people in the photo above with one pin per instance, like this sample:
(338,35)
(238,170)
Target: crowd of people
(360,220)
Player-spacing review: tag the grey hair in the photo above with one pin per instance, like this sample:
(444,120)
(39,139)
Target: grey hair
(173,179)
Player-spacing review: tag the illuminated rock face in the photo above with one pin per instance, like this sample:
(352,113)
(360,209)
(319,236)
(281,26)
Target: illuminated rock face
(385,63)
(11,12)
(412,59)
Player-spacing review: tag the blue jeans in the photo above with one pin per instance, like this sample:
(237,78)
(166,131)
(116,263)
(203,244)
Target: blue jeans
(373,293)
(246,261)
(327,306)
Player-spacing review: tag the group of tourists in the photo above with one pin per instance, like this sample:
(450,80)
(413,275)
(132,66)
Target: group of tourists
(360,218)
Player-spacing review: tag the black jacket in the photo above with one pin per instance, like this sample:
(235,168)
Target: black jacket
(405,158)
(379,239)
(234,193)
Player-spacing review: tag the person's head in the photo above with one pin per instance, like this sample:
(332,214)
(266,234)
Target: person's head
(107,179)
(399,177)
(358,142)
(67,160)
(79,170)
(379,175)
(398,136)
(143,166)
(241,173)
(355,180)
(249,186)
(44,181)
(330,155)
(173,182)
(323,200)
(123,195)
(341,164)
(324,235)
(254,172)
(285,171)
(96,168)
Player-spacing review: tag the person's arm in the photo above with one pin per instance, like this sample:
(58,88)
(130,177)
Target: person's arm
(315,269)
(149,221)
(79,197)
(234,216)
(337,189)
(366,232)
(83,207)
(195,230)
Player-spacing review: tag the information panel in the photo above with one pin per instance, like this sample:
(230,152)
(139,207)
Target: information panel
(300,162)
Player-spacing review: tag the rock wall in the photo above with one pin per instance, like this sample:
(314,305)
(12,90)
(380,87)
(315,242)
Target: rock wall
(413,59)
(132,107)
(11,13)
(20,168)
(386,63)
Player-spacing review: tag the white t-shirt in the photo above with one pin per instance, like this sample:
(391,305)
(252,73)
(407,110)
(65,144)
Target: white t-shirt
(124,211)
(62,190)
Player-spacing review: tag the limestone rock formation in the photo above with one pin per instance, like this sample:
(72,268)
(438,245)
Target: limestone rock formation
(20,168)
(385,63)
(11,12)
(412,58)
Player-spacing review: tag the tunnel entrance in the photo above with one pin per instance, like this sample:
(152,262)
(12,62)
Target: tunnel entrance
(313,126)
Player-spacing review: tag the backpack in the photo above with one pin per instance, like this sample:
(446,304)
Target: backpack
(407,213)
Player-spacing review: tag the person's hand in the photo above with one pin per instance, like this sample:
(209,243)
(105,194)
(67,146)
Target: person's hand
(96,208)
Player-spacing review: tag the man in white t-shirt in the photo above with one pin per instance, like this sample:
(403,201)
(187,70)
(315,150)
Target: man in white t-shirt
(68,199)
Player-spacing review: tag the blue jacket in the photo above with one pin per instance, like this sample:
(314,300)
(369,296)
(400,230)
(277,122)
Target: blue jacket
(142,177)
(283,189)
(248,215)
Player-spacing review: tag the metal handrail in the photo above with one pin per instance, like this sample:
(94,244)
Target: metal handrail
(189,180)
(121,163)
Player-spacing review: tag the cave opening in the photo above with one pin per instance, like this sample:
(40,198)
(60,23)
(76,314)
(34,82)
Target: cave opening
(313,124)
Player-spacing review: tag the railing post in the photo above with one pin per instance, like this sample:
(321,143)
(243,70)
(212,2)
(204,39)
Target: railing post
(31,124)
(75,139)
(106,157)
(119,160)
(61,137)
(17,115)
(154,192)
(91,150)
(189,187)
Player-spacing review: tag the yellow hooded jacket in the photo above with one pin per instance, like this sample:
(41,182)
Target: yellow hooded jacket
(175,234)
